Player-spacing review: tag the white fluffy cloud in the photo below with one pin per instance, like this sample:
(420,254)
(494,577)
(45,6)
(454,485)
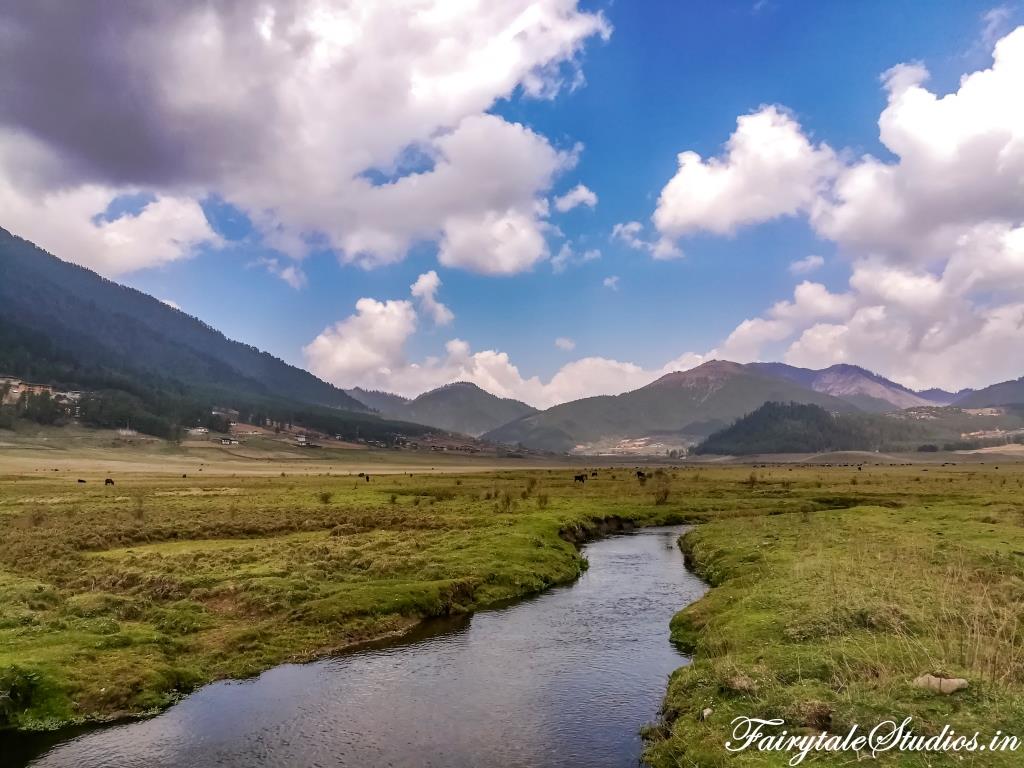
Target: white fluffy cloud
(425,289)
(612,281)
(70,223)
(578,195)
(368,349)
(490,369)
(934,236)
(811,302)
(359,124)
(960,162)
(806,265)
(769,169)
(366,346)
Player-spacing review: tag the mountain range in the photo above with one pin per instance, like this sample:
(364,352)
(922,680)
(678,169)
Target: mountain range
(690,405)
(458,407)
(65,325)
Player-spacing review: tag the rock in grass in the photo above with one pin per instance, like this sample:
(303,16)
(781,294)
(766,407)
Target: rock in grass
(706,713)
(741,684)
(943,685)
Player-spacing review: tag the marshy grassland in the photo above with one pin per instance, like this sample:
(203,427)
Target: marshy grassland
(115,599)
(824,617)
(833,587)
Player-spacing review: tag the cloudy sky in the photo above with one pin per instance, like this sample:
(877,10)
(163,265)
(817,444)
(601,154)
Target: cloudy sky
(552,199)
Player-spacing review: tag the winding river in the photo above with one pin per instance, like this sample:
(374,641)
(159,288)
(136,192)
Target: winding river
(563,679)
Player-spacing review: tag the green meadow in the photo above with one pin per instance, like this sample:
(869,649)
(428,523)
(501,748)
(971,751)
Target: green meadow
(824,617)
(832,587)
(115,600)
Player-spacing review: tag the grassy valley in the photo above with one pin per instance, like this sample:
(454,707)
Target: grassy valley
(833,587)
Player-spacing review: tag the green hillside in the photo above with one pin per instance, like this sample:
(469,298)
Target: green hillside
(691,403)
(463,407)
(791,428)
(457,407)
(145,362)
(803,428)
(1004,393)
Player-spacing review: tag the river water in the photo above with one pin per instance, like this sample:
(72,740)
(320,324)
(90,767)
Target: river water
(564,679)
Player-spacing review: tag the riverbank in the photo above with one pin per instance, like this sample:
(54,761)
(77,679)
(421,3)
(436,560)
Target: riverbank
(116,600)
(824,618)
(834,587)
(561,678)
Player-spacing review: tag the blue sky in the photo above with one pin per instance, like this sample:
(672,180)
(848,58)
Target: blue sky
(670,77)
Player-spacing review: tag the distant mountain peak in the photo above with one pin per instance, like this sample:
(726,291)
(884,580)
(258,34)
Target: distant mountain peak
(459,406)
(710,370)
(456,385)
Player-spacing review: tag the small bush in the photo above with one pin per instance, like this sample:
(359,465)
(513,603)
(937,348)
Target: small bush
(504,503)
(17,687)
(325,497)
(542,501)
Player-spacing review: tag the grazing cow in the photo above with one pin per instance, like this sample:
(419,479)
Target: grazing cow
(108,481)
(579,479)
(183,477)
(640,475)
(81,481)
(593,474)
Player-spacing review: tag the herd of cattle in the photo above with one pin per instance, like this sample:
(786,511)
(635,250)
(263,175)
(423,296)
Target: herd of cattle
(582,478)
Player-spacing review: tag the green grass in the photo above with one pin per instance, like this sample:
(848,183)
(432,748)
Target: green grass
(832,587)
(116,600)
(824,617)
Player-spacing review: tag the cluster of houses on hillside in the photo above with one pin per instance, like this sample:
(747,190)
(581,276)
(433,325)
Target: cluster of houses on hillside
(12,389)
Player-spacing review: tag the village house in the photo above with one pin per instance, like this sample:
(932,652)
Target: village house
(15,388)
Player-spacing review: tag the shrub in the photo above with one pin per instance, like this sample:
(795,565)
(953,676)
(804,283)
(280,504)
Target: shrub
(504,503)
(17,687)
(325,497)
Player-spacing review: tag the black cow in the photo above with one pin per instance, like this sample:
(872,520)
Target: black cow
(108,481)
(81,481)
(367,478)
(579,479)
(593,474)
(641,475)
